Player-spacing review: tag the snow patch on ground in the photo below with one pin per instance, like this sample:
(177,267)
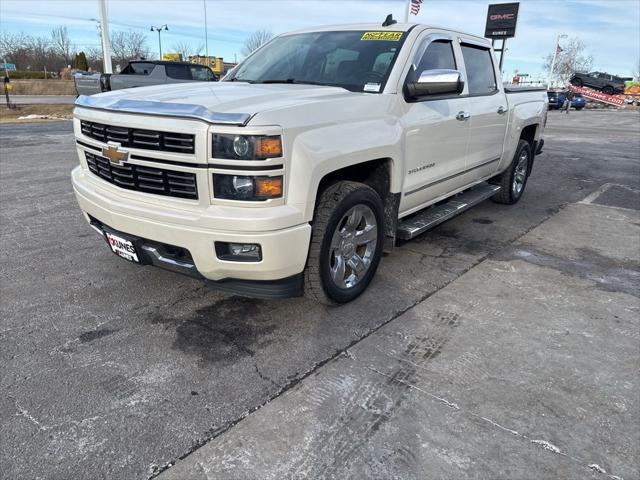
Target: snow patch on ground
(597,468)
(34,116)
(547,446)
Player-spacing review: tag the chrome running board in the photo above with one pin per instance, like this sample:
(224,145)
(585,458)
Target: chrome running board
(433,216)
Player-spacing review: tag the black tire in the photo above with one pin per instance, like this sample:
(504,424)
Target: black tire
(577,82)
(608,90)
(334,204)
(509,194)
(579,108)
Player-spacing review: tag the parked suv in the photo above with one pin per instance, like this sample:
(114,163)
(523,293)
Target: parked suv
(556,100)
(578,102)
(604,82)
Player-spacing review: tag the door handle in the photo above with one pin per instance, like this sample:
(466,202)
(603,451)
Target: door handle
(502,110)
(463,116)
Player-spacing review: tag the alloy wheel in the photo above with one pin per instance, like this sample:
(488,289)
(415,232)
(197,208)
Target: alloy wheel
(353,246)
(520,174)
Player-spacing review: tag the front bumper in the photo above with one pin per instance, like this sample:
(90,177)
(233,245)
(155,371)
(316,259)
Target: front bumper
(284,250)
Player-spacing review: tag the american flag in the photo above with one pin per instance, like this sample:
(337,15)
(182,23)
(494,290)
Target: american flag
(558,49)
(415,6)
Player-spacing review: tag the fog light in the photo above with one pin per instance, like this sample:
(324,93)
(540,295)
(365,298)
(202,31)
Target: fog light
(238,252)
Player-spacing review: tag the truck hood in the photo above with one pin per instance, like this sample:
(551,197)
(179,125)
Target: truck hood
(221,102)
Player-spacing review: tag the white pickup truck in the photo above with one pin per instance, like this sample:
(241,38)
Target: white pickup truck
(310,158)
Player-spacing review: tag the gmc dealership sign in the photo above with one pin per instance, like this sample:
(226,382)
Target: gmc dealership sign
(501,20)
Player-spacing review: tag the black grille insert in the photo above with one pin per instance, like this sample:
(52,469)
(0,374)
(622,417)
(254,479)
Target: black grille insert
(144,179)
(137,138)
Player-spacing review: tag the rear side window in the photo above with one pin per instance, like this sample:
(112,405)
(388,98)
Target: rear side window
(480,74)
(178,72)
(138,68)
(201,73)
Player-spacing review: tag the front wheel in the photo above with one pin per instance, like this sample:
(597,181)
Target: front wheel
(514,179)
(346,243)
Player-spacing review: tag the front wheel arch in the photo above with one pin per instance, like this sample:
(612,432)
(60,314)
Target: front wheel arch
(335,201)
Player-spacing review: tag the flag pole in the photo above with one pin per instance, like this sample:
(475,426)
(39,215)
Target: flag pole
(553,61)
(406,11)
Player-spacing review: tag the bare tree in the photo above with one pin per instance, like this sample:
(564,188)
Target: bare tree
(62,43)
(187,49)
(255,40)
(14,48)
(94,58)
(127,46)
(41,54)
(571,59)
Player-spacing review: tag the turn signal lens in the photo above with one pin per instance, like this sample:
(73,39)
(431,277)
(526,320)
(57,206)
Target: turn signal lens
(246,147)
(267,147)
(268,187)
(246,187)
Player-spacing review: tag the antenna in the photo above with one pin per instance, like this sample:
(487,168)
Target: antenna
(388,21)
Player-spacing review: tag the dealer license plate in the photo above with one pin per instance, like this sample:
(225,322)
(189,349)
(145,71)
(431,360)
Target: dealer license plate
(122,247)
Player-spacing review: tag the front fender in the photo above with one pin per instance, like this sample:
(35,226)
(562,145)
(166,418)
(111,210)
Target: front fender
(318,152)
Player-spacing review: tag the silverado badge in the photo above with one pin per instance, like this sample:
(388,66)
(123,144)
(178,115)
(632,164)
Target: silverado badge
(115,156)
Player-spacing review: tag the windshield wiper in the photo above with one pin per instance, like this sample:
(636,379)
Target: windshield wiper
(292,80)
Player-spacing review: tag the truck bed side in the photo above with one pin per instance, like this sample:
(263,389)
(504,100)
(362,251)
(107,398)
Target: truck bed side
(528,114)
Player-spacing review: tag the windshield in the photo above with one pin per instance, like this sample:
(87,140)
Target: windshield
(355,60)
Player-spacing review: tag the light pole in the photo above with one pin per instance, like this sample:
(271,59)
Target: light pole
(553,61)
(206,32)
(159,30)
(103,28)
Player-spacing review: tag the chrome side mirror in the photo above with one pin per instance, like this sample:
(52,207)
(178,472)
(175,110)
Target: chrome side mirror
(437,82)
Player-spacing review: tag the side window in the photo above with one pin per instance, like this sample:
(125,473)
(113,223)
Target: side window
(438,55)
(138,68)
(178,72)
(201,73)
(480,74)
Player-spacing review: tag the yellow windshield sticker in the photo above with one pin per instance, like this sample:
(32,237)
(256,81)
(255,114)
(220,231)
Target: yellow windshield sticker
(388,36)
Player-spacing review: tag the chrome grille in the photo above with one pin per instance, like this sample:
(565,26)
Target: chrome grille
(137,138)
(144,179)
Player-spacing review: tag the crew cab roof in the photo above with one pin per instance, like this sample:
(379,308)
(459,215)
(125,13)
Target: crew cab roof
(396,27)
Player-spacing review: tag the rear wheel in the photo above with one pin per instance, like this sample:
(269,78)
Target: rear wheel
(346,243)
(514,179)
(608,90)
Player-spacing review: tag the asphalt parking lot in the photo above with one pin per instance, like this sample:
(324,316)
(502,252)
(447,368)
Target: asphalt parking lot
(116,371)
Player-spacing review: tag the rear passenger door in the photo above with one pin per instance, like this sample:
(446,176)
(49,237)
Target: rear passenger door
(136,74)
(488,108)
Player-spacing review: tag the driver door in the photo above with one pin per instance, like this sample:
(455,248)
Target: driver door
(436,131)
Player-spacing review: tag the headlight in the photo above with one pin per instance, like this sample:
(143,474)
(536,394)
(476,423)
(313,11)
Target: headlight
(247,188)
(246,147)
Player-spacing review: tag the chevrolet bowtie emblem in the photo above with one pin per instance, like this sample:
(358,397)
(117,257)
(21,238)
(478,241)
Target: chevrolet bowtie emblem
(115,156)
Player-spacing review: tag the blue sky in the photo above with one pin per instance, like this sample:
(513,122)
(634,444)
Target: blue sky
(609,28)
